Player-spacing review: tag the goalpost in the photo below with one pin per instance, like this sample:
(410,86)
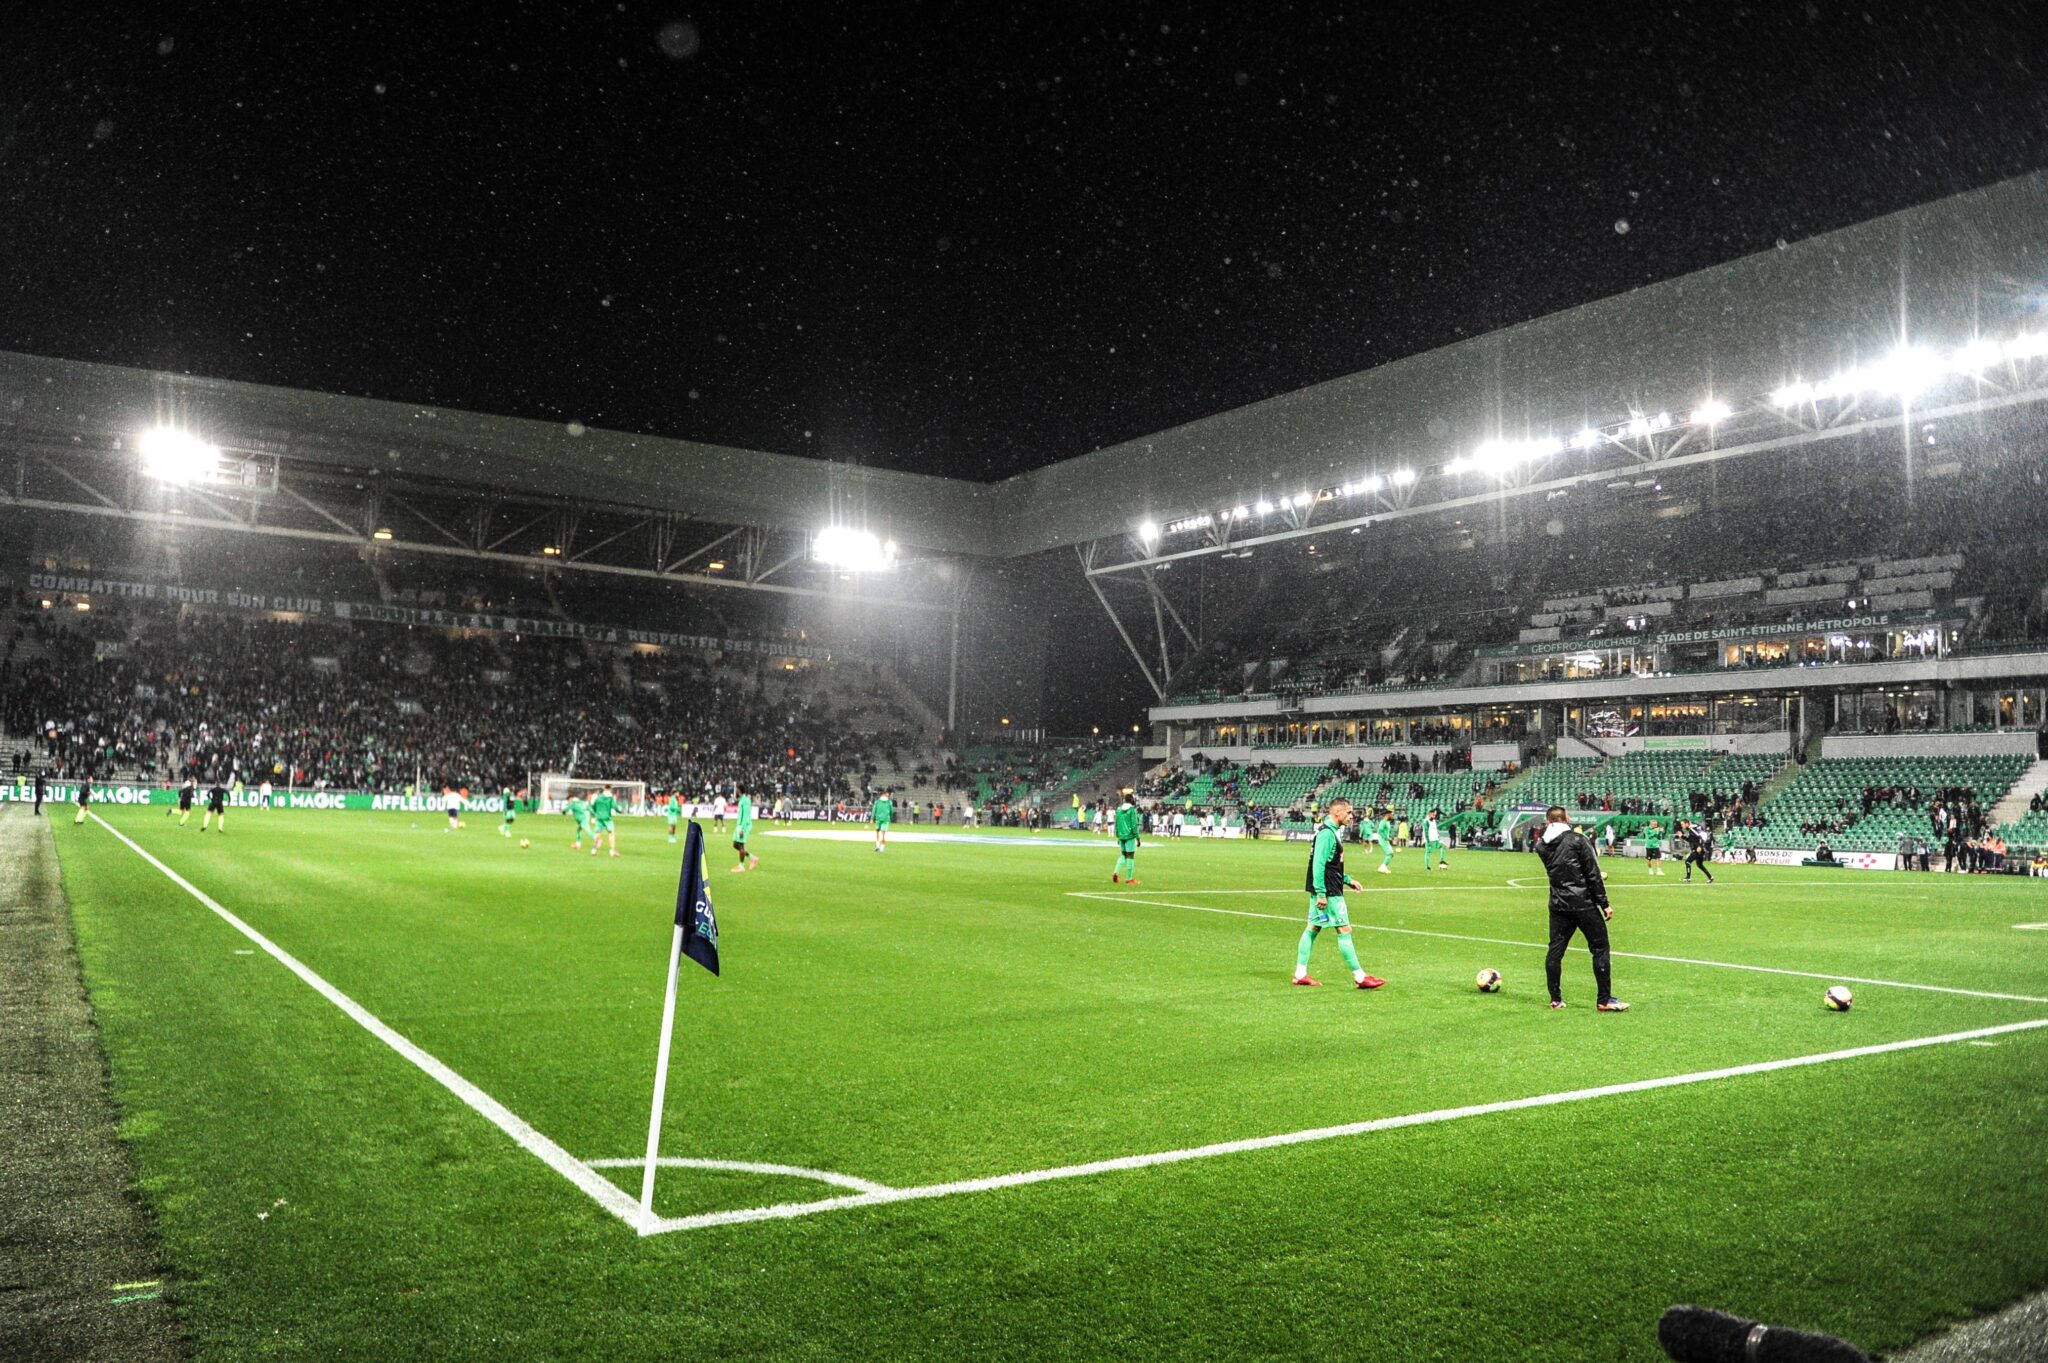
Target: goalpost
(556,789)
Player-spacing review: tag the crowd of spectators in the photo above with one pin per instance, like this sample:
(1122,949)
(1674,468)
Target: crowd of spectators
(386,708)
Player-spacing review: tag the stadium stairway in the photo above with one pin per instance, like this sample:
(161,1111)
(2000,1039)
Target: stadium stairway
(2013,806)
(1787,772)
(1121,775)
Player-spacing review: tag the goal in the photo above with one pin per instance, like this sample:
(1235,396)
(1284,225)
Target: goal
(556,790)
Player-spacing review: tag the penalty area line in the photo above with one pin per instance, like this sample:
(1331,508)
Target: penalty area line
(1540,946)
(789,1210)
(602,1190)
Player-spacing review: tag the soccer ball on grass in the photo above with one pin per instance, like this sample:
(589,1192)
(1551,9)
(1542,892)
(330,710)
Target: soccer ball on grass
(1488,981)
(1838,998)
(526,842)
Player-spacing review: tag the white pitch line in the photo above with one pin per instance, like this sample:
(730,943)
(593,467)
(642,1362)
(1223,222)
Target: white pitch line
(607,1194)
(741,1166)
(2031,927)
(1540,946)
(787,1210)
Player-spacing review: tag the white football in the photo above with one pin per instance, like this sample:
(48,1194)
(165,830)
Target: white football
(1488,981)
(1838,998)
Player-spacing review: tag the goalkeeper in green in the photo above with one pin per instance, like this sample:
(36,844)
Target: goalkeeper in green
(742,829)
(1433,841)
(885,813)
(1326,909)
(674,810)
(1128,824)
(511,814)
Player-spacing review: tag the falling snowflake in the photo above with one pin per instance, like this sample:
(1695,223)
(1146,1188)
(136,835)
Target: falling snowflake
(1621,227)
(678,39)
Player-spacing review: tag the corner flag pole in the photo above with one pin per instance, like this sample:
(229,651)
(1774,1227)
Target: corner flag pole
(668,1025)
(696,936)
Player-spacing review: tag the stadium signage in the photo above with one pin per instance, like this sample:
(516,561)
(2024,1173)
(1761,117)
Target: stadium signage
(66,792)
(328,609)
(1877,620)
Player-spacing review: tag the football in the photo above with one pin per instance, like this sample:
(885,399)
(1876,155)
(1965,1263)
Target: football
(1488,981)
(1838,998)
(526,842)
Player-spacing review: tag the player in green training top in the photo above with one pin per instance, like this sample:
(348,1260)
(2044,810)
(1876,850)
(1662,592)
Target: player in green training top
(510,815)
(885,813)
(1326,909)
(743,828)
(1433,840)
(580,812)
(1128,824)
(674,810)
(601,810)
(1383,834)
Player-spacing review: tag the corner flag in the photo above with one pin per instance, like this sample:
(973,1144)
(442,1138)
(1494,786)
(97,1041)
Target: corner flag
(696,936)
(693,905)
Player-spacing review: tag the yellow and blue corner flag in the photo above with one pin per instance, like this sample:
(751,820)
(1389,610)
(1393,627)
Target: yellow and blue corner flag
(693,904)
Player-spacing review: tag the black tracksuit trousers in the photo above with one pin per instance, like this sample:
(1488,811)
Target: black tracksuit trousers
(1563,923)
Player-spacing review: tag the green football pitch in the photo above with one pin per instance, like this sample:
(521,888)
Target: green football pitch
(968,1099)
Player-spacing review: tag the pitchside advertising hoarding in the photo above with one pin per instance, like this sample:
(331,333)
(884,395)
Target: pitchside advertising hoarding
(249,797)
(114,793)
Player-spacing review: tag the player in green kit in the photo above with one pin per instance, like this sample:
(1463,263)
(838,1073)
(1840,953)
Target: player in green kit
(601,810)
(885,812)
(1326,908)
(511,814)
(1383,834)
(1128,824)
(743,828)
(580,812)
(1433,840)
(674,810)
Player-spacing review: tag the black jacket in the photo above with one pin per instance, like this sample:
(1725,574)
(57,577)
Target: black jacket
(1575,881)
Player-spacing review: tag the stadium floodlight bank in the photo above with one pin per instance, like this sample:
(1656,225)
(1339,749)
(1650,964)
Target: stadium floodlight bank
(555,790)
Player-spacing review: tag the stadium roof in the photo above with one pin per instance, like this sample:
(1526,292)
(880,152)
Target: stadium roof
(1945,271)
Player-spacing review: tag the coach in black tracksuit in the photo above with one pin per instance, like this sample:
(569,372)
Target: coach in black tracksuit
(1578,903)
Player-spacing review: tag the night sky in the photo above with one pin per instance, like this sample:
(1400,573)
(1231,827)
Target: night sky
(969,240)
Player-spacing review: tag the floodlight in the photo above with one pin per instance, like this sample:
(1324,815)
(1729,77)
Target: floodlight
(716,565)
(380,533)
(1977,356)
(174,456)
(1402,477)
(82,606)
(1265,508)
(1372,484)
(1639,425)
(1586,439)
(1909,371)
(1711,412)
(860,551)
(1148,531)
(1792,394)
(1238,513)
(2030,346)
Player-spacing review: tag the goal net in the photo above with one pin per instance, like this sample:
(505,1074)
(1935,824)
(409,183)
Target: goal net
(556,790)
